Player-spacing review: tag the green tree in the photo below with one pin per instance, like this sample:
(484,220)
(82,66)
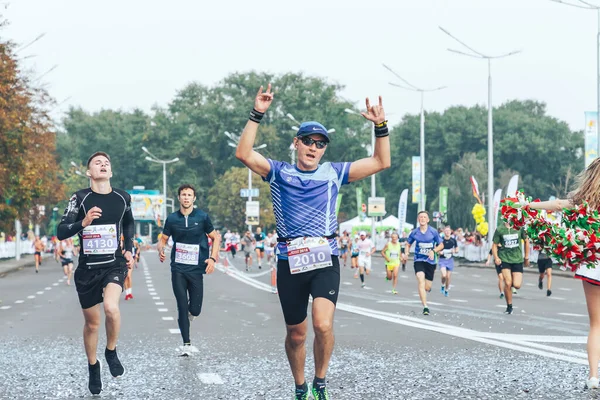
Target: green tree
(229,208)
(28,170)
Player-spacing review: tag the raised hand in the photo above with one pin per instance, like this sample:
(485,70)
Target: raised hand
(263,100)
(375,114)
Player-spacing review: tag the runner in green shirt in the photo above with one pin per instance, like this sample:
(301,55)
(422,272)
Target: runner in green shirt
(508,255)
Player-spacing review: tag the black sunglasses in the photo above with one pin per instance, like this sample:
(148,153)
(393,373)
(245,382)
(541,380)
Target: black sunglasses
(309,142)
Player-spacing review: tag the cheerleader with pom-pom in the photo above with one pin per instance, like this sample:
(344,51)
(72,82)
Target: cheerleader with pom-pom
(588,270)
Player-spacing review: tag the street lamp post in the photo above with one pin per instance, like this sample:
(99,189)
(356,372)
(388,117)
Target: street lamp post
(152,158)
(589,6)
(235,139)
(490,195)
(411,87)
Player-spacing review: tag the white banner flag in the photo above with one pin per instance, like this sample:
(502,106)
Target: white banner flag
(402,204)
(513,185)
(497,197)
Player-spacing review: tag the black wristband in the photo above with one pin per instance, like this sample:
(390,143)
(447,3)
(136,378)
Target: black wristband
(381,131)
(256,116)
(212,258)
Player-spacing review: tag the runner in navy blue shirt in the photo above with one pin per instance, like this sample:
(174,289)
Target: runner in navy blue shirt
(428,243)
(190,229)
(304,198)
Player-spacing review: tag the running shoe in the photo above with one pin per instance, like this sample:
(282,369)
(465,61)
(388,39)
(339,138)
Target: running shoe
(320,393)
(446,294)
(509,310)
(442,289)
(301,394)
(95,383)
(191,317)
(548,292)
(540,284)
(425,311)
(501,295)
(116,369)
(394,291)
(187,350)
(592,383)
(363,285)
(514,291)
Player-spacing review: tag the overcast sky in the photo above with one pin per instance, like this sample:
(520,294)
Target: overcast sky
(137,53)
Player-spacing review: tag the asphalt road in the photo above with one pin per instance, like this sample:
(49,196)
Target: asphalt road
(385,349)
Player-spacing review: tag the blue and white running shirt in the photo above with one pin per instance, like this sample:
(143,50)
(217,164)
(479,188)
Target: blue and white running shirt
(304,201)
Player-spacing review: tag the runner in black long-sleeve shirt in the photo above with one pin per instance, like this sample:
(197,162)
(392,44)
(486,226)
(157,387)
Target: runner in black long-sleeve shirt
(99,215)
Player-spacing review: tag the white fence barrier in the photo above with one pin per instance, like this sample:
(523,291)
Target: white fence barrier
(8,249)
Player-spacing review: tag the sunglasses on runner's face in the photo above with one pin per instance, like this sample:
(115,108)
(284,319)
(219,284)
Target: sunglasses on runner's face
(309,142)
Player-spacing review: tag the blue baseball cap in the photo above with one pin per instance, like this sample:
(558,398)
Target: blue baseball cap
(312,127)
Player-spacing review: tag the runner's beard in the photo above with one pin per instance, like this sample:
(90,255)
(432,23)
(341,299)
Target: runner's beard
(188,206)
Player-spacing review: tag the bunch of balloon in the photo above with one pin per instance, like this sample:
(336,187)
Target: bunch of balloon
(478,212)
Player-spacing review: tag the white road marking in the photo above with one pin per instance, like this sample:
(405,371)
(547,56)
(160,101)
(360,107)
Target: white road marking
(571,315)
(39,292)
(565,289)
(163,309)
(4,307)
(463,333)
(19,301)
(557,298)
(31,297)
(55,284)
(476,276)
(477,290)
(48,288)
(152,293)
(530,284)
(459,300)
(167,318)
(156,298)
(160,303)
(210,379)
(148,280)
(174,331)
(347,283)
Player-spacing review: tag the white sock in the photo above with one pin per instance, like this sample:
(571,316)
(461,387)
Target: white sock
(128,291)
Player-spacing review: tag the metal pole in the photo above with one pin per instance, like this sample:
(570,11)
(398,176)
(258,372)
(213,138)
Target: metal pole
(422,155)
(164,207)
(598,83)
(373,187)
(250,192)
(490,195)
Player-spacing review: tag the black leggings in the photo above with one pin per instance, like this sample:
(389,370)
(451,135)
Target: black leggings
(184,283)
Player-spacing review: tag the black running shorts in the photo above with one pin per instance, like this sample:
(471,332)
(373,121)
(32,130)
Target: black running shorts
(544,264)
(90,283)
(518,267)
(294,289)
(426,268)
(498,268)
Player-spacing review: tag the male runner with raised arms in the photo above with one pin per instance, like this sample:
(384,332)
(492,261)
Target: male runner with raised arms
(446,260)
(391,253)
(428,243)
(190,229)
(97,215)
(304,199)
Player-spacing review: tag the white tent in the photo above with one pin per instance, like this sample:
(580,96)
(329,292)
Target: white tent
(389,221)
